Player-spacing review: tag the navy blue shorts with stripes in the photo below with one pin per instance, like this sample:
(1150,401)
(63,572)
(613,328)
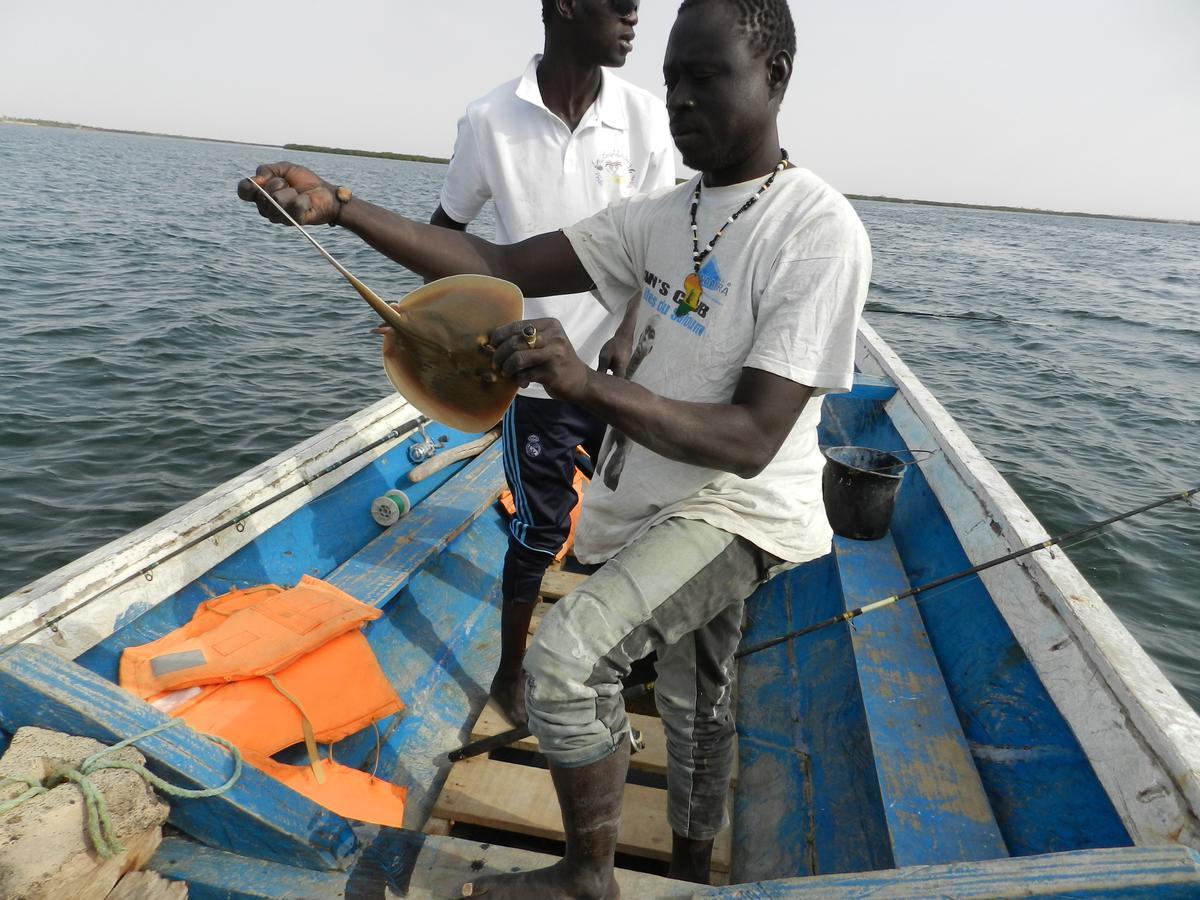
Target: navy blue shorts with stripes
(540,439)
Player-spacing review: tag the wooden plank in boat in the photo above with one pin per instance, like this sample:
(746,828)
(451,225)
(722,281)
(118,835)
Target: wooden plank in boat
(377,572)
(438,646)
(257,816)
(1164,871)
(933,799)
(1140,737)
(396,863)
(653,759)
(521,799)
(424,867)
(557,583)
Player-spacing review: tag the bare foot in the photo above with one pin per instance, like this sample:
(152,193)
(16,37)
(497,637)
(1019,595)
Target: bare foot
(509,693)
(557,882)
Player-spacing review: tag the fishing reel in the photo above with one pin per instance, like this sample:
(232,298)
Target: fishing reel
(424,448)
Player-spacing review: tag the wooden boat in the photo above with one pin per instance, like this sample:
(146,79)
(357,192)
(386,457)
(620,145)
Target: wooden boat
(1004,735)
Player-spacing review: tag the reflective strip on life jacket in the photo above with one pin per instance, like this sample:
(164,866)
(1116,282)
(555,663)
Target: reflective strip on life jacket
(243,634)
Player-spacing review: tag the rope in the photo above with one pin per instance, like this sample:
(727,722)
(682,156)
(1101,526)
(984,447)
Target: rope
(100,827)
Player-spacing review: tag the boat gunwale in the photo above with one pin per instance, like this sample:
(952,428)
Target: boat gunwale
(1140,735)
(1139,714)
(79,630)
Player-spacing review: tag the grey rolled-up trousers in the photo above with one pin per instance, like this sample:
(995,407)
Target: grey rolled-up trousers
(679,590)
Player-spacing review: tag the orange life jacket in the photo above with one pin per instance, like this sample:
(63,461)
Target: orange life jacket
(266,668)
(579,483)
(266,714)
(242,634)
(348,792)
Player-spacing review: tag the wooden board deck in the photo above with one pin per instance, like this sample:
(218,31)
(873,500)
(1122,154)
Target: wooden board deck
(556,583)
(521,799)
(653,759)
(397,863)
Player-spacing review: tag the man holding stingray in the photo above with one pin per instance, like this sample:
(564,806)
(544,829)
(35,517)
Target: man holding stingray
(753,276)
(559,143)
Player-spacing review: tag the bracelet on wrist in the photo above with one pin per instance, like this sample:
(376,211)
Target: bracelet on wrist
(342,194)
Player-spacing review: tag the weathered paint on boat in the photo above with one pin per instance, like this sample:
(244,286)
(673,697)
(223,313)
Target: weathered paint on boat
(1004,732)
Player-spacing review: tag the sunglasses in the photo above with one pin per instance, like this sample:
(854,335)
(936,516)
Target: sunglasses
(624,8)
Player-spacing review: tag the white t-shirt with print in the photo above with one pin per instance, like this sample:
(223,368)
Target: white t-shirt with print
(783,291)
(513,150)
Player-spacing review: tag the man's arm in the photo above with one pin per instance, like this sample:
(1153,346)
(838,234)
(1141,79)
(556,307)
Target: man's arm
(741,436)
(442,220)
(541,266)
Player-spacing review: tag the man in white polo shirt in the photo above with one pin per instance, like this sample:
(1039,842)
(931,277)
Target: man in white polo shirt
(552,147)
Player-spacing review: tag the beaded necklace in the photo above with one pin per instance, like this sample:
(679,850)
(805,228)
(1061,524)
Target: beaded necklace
(692,289)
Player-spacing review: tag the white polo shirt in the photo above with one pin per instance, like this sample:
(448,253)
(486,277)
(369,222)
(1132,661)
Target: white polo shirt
(542,176)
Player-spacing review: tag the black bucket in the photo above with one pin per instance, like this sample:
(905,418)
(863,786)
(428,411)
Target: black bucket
(860,485)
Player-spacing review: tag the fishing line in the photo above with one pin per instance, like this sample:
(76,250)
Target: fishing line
(888,601)
(380,305)
(1080,541)
(238,521)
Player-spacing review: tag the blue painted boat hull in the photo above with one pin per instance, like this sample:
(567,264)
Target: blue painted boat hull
(924,744)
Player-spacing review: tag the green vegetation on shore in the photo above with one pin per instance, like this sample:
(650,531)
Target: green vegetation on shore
(381,154)
(412,157)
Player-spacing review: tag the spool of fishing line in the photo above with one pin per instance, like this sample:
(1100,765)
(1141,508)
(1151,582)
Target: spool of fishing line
(390,508)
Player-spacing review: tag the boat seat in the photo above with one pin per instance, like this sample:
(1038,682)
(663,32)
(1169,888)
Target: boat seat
(933,802)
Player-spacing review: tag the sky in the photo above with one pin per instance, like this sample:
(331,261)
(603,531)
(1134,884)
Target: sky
(1078,105)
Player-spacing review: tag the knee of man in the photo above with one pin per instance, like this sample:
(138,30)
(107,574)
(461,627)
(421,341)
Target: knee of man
(551,678)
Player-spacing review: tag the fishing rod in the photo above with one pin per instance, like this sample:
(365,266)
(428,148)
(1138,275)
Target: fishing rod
(503,739)
(238,522)
(895,598)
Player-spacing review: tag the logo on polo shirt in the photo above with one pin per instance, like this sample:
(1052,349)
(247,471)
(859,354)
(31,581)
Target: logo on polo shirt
(613,168)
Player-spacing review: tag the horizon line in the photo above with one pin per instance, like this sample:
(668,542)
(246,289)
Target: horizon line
(416,157)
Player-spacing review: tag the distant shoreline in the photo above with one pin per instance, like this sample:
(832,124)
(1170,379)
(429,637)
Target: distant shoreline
(410,157)
(48,123)
(381,154)
(1019,209)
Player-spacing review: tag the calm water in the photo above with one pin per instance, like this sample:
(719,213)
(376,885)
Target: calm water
(158,338)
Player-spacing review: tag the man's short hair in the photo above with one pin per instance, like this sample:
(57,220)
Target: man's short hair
(766,24)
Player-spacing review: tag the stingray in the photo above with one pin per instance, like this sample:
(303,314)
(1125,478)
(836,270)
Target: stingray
(438,356)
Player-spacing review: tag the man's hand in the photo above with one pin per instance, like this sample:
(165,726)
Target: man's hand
(309,199)
(614,355)
(390,339)
(550,360)
(618,349)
